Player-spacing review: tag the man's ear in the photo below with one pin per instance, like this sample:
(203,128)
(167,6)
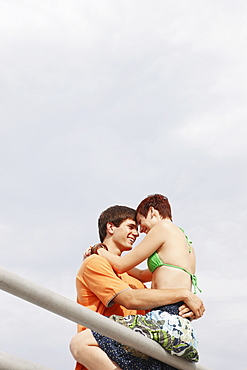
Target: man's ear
(110,228)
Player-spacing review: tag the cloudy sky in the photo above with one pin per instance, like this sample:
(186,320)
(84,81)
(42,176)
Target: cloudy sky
(106,102)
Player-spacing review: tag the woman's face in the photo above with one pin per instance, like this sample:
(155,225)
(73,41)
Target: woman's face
(145,223)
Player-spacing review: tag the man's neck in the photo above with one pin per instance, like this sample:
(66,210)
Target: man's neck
(112,247)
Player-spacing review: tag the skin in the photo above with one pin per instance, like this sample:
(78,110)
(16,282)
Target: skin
(170,243)
(85,350)
(83,346)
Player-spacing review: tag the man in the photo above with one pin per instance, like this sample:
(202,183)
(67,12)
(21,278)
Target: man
(104,291)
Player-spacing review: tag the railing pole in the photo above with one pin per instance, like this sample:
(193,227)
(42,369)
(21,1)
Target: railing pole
(11,362)
(77,313)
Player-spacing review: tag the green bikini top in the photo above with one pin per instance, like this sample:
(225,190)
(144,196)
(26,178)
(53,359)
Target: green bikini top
(154,262)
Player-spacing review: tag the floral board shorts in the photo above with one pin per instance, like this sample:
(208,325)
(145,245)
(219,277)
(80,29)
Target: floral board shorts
(162,324)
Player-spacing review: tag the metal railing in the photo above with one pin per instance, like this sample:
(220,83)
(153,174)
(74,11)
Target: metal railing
(10,362)
(79,314)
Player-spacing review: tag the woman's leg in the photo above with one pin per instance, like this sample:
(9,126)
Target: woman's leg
(85,350)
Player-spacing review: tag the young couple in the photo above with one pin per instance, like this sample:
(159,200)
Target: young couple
(112,286)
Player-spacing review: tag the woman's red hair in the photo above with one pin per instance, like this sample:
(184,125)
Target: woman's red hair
(158,202)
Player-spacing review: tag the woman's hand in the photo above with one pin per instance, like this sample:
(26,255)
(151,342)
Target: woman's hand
(186,312)
(94,249)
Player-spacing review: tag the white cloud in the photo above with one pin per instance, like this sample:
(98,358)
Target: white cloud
(222,136)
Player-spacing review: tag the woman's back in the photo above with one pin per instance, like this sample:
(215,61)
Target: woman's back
(175,251)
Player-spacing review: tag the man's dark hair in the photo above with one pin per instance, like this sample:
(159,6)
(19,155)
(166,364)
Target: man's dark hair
(116,215)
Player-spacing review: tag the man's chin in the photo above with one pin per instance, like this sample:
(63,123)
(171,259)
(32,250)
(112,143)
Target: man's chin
(128,248)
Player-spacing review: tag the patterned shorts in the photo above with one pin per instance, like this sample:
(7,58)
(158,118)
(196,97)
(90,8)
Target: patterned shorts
(165,326)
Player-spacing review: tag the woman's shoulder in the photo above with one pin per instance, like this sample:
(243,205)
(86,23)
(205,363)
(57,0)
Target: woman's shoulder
(163,229)
(165,224)
(169,228)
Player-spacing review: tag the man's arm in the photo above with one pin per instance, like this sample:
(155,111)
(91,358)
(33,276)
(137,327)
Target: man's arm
(147,299)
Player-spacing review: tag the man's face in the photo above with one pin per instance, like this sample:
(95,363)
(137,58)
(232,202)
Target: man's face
(125,235)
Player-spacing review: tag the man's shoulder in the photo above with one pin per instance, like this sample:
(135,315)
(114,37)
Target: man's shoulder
(94,258)
(91,258)
(95,262)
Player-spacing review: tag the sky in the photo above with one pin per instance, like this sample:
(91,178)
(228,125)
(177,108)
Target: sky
(104,103)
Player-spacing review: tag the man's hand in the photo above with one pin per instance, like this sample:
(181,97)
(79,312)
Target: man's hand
(193,308)
(94,249)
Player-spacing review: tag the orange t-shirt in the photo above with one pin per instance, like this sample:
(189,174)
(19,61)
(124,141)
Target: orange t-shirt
(97,284)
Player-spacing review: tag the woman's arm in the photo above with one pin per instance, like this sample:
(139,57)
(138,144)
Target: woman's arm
(152,241)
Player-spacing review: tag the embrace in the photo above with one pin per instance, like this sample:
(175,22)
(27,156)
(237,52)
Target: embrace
(112,286)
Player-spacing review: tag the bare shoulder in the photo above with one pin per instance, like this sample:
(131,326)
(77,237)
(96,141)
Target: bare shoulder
(159,229)
(165,225)
(168,229)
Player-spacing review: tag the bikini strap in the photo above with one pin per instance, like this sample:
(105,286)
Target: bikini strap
(194,283)
(189,242)
(193,277)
